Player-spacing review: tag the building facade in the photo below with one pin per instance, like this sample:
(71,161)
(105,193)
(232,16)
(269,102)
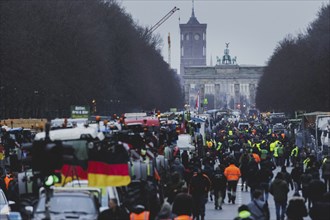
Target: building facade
(192,43)
(231,86)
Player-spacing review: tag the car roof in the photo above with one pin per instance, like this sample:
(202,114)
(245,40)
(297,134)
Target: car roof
(71,134)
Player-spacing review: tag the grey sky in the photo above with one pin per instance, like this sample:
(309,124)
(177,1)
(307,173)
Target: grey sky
(253,28)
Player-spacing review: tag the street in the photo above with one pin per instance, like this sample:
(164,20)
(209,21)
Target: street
(229,211)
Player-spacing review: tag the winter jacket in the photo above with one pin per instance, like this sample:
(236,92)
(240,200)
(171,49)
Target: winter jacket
(320,211)
(316,189)
(296,209)
(219,181)
(257,209)
(279,189)
(200,184)
(232,173)
(296,174)
(178,167)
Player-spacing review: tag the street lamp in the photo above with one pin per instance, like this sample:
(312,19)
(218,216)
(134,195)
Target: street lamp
(94,106)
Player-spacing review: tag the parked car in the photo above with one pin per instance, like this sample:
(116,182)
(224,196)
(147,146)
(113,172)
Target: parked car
(4,204)
(5,212)
(66,203)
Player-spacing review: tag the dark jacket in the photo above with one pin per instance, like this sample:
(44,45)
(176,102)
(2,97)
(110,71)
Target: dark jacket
(296,209)
(200,184)
(253,178)
(118,214)
(178,167)
(279,189)
(296,174)
(320,211)
(219,180)
(288,179)
(316,189)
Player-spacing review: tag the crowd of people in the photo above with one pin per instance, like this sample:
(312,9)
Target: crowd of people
(250,156)
(231,155)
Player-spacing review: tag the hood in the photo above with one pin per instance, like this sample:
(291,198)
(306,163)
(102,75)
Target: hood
(4,209)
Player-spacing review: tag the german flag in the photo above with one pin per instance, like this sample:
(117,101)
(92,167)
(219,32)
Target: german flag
(108,166)
(72,172)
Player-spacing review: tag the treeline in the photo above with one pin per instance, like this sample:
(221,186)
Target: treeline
(54,54)
(298,73)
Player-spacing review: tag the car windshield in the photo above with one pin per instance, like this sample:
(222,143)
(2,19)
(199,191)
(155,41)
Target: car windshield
(68,204)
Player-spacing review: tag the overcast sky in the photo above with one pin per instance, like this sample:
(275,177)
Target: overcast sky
(253,28)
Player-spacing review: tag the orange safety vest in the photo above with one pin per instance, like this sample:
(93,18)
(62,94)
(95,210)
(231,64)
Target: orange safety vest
(142,216)
(183,217)
(7,181)
(232,173)
(256,157)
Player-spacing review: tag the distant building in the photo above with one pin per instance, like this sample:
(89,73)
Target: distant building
(192,43)
(228,84)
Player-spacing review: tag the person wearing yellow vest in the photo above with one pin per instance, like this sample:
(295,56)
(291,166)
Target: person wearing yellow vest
(272,146)
(219,146)
(244,213)
(139,213)
(294,155)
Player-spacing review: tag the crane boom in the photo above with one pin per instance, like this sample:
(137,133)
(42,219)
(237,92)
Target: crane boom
(161,21)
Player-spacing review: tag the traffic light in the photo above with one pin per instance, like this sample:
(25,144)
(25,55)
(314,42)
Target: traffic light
(52,179)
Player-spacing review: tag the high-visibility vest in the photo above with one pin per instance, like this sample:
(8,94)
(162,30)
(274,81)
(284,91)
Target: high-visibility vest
(272,146)
(142,216)
(7,181)
(183,217)
(230,132)
(2,152)
(269,131)
(219,146)
(232,173)
(294,152)
(258,146)
(306,161)
(256,157)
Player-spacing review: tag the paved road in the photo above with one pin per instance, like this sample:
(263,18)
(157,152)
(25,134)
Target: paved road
(229,211)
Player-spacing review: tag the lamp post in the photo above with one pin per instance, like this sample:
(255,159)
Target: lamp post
(94,106)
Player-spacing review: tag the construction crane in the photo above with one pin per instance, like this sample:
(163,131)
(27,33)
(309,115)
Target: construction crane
(161,21)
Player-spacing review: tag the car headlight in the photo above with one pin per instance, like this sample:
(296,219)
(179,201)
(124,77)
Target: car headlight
(5,210)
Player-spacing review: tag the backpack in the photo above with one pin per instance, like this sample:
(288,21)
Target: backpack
(264,209)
